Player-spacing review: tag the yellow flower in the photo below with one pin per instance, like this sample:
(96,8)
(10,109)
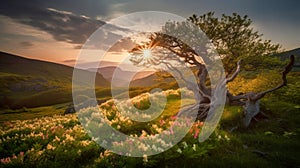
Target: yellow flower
(50,147)
(40,152)
(69,138)
(145,158)
(85,143)
(56,139)
(107,153)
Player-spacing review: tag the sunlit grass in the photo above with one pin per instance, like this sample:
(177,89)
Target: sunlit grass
(30,113)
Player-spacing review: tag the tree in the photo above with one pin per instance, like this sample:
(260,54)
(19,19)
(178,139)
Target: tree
(234,40)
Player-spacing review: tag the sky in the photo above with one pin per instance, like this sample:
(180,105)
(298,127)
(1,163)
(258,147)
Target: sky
(55,30)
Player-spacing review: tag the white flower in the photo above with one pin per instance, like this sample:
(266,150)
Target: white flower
(96,139)
(159,149)
(227,138)
(154,147)
(184,144)
(104,143)
(179,150)
(143,147)
(194,147)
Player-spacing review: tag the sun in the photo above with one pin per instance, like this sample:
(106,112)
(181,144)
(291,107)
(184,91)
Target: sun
(147,53)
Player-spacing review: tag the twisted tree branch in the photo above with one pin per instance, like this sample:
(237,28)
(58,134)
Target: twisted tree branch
(287,69)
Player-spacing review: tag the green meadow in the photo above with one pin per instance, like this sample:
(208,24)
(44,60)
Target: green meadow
(36,133)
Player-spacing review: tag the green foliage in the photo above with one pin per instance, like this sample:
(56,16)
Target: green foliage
(290,93)
(231,117)
(235,39)
(254,81)
(250,81)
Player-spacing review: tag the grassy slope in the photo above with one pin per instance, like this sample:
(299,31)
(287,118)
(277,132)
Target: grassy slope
(33,83)
(30,113)
(271,142)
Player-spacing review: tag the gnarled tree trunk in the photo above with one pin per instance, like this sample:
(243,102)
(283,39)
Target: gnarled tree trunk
(250,101)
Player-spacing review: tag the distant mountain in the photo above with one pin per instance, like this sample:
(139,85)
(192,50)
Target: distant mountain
(152,80)
(30,83)
(121,77)
(93,65)
(147,81)
(286,54)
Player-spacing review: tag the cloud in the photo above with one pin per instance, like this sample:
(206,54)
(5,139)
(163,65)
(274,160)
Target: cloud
(69,61)
(62,25)
(65,26)
(26,44)
(60,11)
(78,47)
(123,44)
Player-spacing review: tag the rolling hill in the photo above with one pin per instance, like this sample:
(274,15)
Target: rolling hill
(286,54)
(121,77)
(31,83)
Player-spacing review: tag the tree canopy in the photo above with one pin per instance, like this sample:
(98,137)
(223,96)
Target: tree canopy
(235,39)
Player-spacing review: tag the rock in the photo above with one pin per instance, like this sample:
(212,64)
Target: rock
(70,109)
